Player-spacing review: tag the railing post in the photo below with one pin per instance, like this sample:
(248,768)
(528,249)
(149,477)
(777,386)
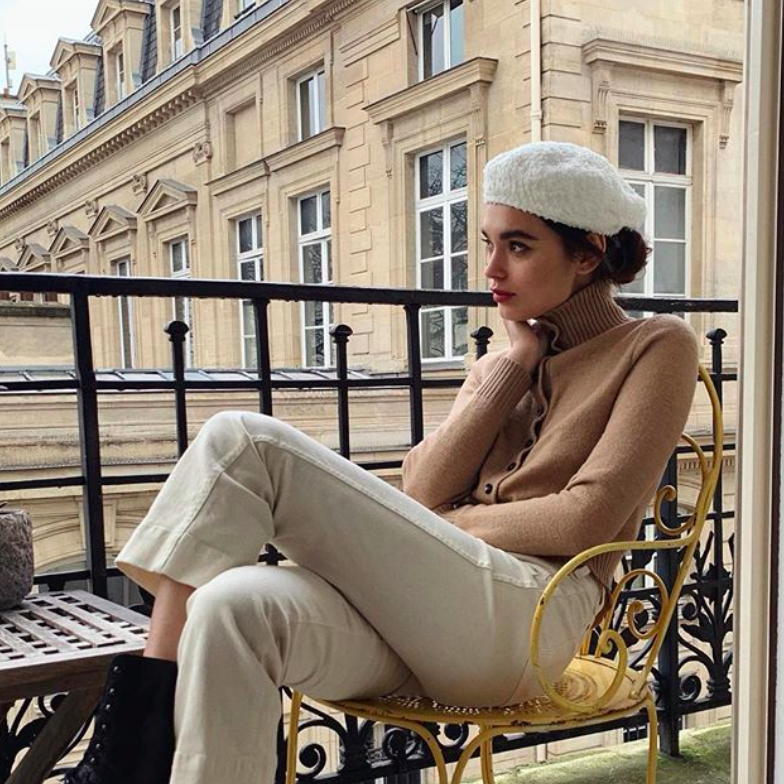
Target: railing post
(177,330)
(340,335)
(263,362)
(667,569)
(481,336)
(90,443)
(415,373)
(718,682)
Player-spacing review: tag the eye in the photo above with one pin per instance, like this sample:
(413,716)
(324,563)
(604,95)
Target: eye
(518,247)
(486,242)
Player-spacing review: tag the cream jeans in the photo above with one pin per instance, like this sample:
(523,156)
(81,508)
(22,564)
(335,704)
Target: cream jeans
(384,596)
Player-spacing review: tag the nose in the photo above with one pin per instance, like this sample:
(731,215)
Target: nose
(494,264)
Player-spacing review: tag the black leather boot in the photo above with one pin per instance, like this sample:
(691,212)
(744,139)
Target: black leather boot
(133,736)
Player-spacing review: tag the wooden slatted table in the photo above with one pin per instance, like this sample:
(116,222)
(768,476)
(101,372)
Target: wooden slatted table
(61,642)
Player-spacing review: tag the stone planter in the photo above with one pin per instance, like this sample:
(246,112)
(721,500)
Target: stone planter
(16,557)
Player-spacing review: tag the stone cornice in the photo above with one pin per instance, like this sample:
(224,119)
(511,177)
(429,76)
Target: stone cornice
(115,137)
(66,50)
(326,140)
(446,84)
(641,55)
(248,173)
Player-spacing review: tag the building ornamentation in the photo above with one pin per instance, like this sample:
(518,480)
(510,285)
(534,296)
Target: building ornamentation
(139,184)
(52,227)
(20,245)
(202,151)
(91,208)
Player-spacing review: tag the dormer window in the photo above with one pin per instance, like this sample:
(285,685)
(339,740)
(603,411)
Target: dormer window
(244,5)
(77,115)
(120,75)
(176,32)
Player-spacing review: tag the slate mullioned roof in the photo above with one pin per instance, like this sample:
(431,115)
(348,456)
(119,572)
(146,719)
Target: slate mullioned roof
(212,11)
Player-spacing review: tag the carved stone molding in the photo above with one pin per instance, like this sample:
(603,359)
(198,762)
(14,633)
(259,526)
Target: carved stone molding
(139,184)
(20,245)
(52,227)
(727,100)
(91,208)
(202,152)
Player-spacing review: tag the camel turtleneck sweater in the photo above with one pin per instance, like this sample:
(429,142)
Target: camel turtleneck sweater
(553,464)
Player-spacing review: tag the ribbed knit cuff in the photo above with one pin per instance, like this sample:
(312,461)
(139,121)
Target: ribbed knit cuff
(505,385)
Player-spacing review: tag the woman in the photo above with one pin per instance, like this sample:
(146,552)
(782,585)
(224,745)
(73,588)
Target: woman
(553,445)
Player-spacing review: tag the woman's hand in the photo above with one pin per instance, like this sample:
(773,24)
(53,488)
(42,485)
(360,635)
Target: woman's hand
(529,343)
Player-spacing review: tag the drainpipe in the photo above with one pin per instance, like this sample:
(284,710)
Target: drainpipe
(536,70)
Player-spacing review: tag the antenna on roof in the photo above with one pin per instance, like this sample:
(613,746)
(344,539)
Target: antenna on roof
(10,64)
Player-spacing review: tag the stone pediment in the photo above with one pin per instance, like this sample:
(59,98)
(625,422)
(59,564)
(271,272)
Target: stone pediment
(112,220)
(66,48)
(34,256)
(166,196)
(69,239)
(7,265)
(108,9)
(31,83)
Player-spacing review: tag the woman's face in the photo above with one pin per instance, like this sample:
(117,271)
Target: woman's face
(525,258)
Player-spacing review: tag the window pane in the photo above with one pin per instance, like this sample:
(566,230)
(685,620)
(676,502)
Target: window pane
(245,231)
(322,103)
(431,233)
(311,263)
(306,106)
(250,352)
(669,149)
(259,235)
(637,286)
(248,321)
(638,188)
(314,314)
(307,215)
(669,268)
(314,347)
(460,272)
(459,216)
(457,167)
(631,152)
(433,275)
(456,32)
(248,270)
(432,333)
(431,170)
(330,277)
(670,213)
(459,331)
(125,331)
(177,260)
(433,41)
(326,211)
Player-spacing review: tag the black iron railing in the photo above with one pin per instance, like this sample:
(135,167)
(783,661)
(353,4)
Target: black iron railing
(698,631)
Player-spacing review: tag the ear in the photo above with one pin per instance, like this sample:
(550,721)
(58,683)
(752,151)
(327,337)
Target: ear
(587,264)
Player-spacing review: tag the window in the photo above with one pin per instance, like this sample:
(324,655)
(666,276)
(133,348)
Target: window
(76,113)
(442,247)
(181,268)
(655,159)
(250,263)
(243,5)
(311,105)
(176,32)
(440,32)
(122,268)
(120,75)
(315,263)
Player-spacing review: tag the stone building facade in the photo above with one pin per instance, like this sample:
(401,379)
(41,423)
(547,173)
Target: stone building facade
(336,141)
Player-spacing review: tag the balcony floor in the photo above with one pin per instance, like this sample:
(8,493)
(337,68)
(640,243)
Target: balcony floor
(705,760)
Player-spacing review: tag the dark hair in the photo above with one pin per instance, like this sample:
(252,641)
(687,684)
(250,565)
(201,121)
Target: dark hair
(627,252)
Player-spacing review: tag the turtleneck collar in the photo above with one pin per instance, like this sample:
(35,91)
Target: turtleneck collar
(587,313)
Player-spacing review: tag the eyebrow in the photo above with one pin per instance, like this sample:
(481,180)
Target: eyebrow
(514,234)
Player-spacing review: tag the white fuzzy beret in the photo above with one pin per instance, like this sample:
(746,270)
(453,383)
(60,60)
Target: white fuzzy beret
(565,183)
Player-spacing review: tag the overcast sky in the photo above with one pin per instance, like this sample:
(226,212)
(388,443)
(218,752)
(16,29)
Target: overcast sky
(32,27)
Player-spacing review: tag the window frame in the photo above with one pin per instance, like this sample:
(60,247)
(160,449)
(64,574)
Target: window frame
(445,200)
(419,12)
(176,41)
(649,179)
(323,237)
(127,302)
(183,240)
(77,115)
(256,255)
(119,62)
(320,102)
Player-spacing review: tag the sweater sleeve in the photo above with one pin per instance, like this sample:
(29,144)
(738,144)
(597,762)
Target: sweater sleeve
(444,466)
(646,422)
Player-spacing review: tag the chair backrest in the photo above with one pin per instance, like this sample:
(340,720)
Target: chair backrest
(685,536)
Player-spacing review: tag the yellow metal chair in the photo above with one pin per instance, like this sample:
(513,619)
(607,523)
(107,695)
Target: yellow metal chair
(594,689)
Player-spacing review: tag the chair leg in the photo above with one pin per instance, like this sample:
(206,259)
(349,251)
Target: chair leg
(484,737)
(487,761)
(653,740)
(291,742)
